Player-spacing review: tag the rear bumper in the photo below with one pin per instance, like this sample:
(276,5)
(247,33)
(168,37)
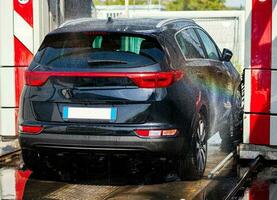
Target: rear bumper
(115,144)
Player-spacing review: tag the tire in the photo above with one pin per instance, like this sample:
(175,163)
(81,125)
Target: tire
(31,160)
(231,134)
(192,165)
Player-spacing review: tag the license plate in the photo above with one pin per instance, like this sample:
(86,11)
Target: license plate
(107,114)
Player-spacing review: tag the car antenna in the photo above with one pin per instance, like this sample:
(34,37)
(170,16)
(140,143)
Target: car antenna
(110,20)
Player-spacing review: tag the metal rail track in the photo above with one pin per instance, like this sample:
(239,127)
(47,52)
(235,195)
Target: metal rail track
(10,155)
(255,164)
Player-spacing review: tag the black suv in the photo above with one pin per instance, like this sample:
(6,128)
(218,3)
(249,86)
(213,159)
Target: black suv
(157,87)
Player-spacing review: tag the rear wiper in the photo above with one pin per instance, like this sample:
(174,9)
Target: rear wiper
(99,62)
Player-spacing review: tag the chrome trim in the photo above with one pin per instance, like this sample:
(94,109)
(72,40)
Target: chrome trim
(74,21)
(167,21)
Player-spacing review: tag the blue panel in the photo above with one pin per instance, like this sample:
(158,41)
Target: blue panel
(65,112)
(113,114)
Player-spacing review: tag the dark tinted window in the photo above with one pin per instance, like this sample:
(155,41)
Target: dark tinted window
(209,45)
(88,50)
(189,44)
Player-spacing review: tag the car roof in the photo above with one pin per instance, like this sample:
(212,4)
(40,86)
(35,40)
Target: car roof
(129,25)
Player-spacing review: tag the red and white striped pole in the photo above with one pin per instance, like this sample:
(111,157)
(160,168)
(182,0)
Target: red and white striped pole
(13,183)
(260,118)
(23,45)
(16,52)
(260,190)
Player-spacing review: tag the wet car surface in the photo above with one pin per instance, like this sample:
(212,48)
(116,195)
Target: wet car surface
(150,87)
(112,180)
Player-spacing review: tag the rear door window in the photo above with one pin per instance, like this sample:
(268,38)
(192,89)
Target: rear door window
(190,44)
(89,50)
(211,48)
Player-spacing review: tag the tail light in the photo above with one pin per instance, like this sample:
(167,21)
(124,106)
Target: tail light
(141,79)
(36,78)
(31,129)
(157,79)
(156,133)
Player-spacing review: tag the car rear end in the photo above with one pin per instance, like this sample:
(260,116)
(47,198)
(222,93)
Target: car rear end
(100,92)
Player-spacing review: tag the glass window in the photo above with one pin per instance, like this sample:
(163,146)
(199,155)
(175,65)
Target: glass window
(182,44)
(97,49)
(209,45)
(189,44)
(195,41)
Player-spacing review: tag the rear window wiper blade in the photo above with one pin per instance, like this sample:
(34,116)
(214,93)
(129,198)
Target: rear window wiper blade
(97,62)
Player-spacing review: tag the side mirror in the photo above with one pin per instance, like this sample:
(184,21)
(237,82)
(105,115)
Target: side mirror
(226,55)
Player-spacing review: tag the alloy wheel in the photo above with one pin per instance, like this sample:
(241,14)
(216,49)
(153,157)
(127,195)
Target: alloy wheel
(201,145)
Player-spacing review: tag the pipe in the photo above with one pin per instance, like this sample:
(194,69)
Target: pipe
(220,165)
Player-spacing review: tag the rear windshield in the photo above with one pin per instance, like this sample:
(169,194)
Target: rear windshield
(91,49)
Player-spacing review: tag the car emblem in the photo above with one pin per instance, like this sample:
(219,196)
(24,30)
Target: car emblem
(67,93)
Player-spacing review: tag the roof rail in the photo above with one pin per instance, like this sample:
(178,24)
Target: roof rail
(168,21)
(73,21)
